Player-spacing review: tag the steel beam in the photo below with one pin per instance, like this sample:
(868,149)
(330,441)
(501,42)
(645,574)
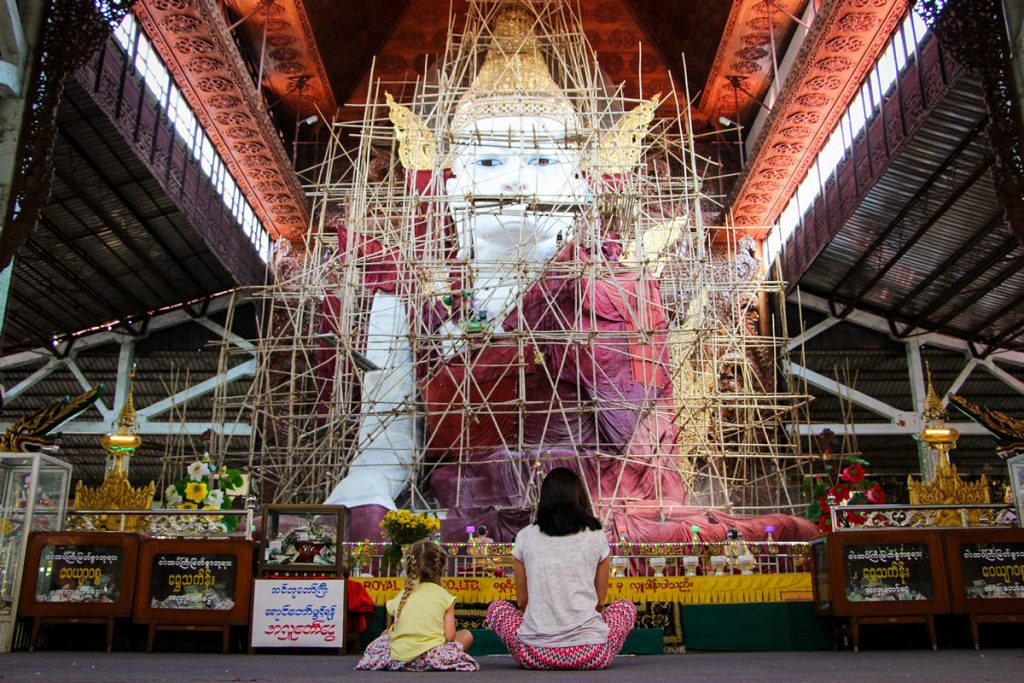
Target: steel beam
(1003,375)
(799,340)
(962,282)
(921,231)
(976,239)
(879,323)
(882,429)
(100,404)
(845,392)
(89,261)
(40,374)
(240,371)
(157,321)
(152,268)
(960,379)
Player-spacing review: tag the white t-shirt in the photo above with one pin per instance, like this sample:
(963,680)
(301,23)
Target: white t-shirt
(562,606)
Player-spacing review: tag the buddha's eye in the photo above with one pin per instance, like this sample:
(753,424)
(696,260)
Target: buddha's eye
(488,162)
(542,161)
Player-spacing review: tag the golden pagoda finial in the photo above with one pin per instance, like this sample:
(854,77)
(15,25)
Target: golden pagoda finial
(933,408)
(935,433)
(514,80)
(123,442)
(944,486)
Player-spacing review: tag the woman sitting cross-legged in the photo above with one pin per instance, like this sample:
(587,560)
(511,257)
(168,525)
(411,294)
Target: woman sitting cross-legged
(422,636)
(561,573)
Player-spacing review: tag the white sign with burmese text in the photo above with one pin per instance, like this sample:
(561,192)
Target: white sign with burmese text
(298,613)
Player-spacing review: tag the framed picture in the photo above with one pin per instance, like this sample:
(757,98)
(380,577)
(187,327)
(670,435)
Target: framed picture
(303,538)
(1016,467)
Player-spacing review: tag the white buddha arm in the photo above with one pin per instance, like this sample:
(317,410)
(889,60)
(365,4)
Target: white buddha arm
(385,449)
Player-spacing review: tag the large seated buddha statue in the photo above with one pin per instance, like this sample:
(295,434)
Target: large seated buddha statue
(538,341)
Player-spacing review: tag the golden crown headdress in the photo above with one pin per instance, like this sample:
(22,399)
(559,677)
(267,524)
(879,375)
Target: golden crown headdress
(514,80)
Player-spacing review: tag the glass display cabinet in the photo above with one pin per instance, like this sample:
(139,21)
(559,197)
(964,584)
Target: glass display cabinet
(34,490)
(303,538)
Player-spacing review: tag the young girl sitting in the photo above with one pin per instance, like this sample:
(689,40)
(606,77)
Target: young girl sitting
(422,636)
(561,573)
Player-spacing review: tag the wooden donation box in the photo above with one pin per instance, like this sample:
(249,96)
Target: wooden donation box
(193,585)
(78,578)
(881,577)
(986,575)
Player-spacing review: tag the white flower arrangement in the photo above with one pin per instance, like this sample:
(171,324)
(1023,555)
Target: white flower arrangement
(198,470)
(202,488)
(215,498)
(171,496)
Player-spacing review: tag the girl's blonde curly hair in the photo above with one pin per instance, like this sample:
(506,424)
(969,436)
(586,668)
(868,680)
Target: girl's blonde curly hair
(424,562)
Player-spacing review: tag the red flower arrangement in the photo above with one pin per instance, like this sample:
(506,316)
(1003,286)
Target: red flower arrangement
(851,486)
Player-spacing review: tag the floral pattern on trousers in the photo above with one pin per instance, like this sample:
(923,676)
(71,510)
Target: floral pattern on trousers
(445,657)
(505,619)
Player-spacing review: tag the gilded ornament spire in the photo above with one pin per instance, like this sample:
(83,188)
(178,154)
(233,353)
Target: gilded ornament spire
(116,492)
(944,486)
(933,408)
(123,442)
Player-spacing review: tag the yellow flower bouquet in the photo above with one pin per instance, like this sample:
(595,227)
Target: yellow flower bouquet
(403,527)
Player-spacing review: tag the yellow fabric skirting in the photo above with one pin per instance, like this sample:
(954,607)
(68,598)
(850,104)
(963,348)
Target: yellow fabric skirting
(690,590)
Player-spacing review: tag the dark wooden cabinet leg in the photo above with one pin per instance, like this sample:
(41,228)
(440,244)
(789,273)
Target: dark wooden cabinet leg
(855,633)
(37,626)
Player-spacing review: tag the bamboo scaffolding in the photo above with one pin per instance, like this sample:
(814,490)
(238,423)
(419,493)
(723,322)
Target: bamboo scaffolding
(731,403)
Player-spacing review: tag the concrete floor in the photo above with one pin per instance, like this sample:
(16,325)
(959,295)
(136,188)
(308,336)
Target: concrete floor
(944,666)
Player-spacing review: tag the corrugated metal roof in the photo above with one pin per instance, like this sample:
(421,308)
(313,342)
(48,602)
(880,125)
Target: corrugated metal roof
(110,243)
(979,281)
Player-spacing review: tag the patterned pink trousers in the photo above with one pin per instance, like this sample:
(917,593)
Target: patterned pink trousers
(505,619)
(446,657)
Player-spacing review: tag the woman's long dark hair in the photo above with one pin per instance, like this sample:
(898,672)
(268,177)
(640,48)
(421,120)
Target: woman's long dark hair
(564,508)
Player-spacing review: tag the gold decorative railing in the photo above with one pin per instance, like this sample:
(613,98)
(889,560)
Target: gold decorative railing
(164,523)
(851,517)
(628,559)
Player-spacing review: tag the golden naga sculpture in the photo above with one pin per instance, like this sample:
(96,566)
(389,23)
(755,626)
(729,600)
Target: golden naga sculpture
(1009,431)
(116,492)
(36,432)
(946,488)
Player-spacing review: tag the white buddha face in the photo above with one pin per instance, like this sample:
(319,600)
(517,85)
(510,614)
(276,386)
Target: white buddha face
(506,164)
